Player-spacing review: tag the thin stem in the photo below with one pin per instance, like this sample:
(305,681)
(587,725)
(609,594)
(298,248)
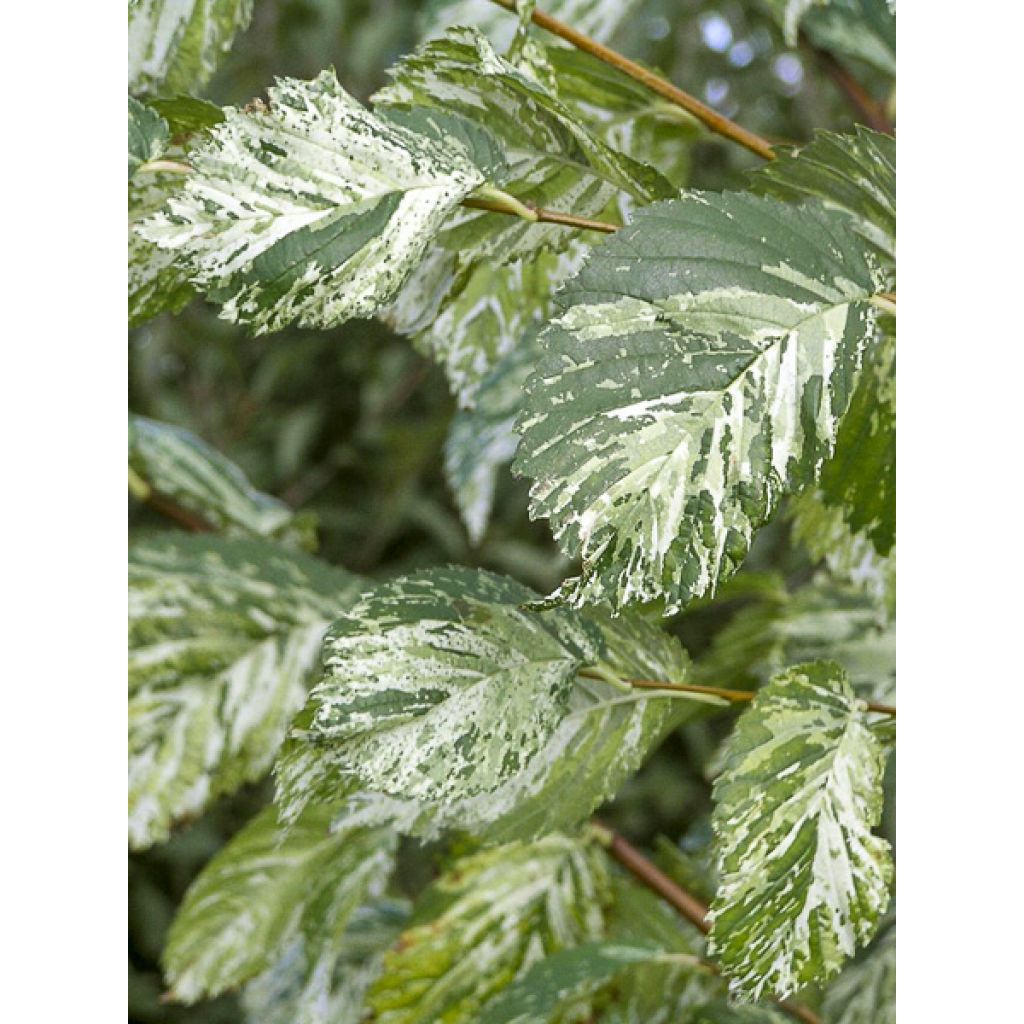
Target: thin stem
(539,214)
(676,896)
(885,301)
(143,492)
(733,696)
(871,111)
(709,118)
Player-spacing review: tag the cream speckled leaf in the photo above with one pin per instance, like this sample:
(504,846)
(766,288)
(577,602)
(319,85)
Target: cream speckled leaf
(596,18)
(176,464)
(439,686)
(314,209)
(222,634)
(485,923)
(699,371)
(554,160)
(147,135)
(854,173)
(286,993)
(482,440)
(175,45)
(156,283)
(865,991)
(600,739)
(847,555)
(268,894)
(803,881)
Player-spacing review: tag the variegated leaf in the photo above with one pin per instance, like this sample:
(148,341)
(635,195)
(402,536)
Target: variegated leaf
(286,994)
(156,282)
(222,634)
(175,45)
(854,173)
(823,619)
(722,1012)
(596,18)
(865,992)
(860,478)
(485,923)
(847,555)
(700,370)
(437,687)
(804,881)
(147,135)
(482,440)
(600,738)
(314,209)
(554,160)
(567,979)
(269,896)
(171,463)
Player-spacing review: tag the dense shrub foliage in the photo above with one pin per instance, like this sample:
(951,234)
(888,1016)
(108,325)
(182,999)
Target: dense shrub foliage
(512,440)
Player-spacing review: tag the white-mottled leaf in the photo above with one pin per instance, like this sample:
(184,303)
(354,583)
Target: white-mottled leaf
(700,370)
(485,923)
(222,634)
(481,440)
(596,18)
(314,209)
(803,881)
(554,160)
(847,555)
(156,283)
(177,465)
(147,135)
(270,895)
(286,993)
(564,979)
(853,173)
(175,45)
(437,687)
(865,991)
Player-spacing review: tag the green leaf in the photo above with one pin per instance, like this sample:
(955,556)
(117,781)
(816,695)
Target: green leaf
(314,209)
(803,880)
(865,992)
(566,978)
(147,135)
(438,686)
(699,371)
(176,46)
(269,894)
(482,440)
(287,994)
(485,923)
(848,556)
(186,114)
(176,465)
(156,283)
(788,13)
(596,18)
(221,636)
(860,478)
(721,1012)
(554,160)
(862,29)
(854,173)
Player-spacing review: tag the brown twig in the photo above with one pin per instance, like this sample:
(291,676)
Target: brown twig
(711,119)
(677,897)
(543,216)
(871,111)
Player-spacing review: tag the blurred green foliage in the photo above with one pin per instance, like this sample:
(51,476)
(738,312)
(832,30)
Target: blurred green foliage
(350,423)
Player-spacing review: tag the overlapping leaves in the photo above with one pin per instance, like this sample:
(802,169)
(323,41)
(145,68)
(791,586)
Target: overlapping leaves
(314,209)
(701,368)
(803,881)
(222,634)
